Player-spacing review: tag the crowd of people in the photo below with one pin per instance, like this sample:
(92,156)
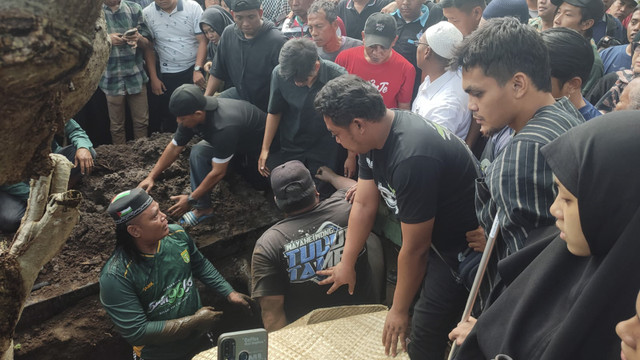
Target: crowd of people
(457,114)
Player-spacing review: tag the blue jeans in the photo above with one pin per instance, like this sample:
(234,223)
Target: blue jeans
(200,164)
(437,311)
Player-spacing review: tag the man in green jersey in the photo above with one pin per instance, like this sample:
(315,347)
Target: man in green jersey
(147,286)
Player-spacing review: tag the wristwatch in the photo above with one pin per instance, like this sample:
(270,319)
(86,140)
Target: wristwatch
(191,200)
(197,68)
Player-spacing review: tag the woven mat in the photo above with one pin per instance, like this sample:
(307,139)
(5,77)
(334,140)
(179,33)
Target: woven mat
(346,332)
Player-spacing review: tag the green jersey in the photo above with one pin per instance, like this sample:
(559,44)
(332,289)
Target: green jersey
(140,296)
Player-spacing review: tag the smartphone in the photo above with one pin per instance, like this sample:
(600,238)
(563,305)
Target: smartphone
(243,345)
(130,32)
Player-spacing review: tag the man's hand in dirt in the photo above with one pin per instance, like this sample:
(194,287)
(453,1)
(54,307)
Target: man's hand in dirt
(339,275)
(246,303)
(157,86)
(146,184)
(262,163)
(476,239)
(396,327)
(460,333)
(116,39)
(84,159)
(180,207)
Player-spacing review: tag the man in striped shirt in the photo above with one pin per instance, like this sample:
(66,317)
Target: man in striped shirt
(124,80)
(507,76)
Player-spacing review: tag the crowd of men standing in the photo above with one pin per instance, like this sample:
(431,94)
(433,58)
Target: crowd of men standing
(323,92)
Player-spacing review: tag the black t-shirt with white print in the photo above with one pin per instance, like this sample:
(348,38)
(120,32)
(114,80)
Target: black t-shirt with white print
(425,171)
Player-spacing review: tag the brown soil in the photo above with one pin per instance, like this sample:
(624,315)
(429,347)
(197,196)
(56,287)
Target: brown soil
(238,207)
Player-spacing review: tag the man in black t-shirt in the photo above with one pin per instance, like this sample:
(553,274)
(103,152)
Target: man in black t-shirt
(425,175)
(310,238)
(227,127)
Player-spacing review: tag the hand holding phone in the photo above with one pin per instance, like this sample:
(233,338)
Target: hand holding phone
(131,37)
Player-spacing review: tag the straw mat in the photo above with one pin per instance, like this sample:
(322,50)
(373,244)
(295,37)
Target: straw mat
(345,332)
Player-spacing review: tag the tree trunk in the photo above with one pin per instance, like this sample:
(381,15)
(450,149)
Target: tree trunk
(51,215)
(52,55)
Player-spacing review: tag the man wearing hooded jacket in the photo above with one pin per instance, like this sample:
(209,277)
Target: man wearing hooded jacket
(247,53)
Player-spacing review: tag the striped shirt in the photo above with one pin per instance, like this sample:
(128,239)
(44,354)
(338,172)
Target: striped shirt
(125,72)
(520,182)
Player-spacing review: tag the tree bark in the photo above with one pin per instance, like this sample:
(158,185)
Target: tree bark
(51,214)
(52,55)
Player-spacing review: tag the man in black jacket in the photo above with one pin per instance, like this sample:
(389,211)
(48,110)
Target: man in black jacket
(247,53)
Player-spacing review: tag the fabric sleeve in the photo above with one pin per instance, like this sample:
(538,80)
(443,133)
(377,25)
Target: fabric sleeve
(449,114)
(267,278)
(408,79)
(76,135)
(275,52)
(416,183)
(219,67)
(276,100)
(364,171)
(526,192)
(601,87)
(123,307)
(197,14)
(138,19)
(342,59)
(608,101)
(182,136)
(225,144)
(205,271)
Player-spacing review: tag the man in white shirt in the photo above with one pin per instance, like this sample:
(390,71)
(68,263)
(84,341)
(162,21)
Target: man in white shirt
(181,47)
(441,98)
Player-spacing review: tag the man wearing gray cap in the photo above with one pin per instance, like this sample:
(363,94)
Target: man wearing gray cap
(147,286)
(310,238)
(441,98)
(379,64)
(227,127)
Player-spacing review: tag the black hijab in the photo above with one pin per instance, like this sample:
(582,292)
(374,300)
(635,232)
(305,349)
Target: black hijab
(564,306)
(218,19)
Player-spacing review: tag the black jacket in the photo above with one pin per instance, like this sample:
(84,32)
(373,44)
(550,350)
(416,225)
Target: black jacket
(248,63)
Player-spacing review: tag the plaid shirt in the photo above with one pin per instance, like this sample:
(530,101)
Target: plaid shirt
(125,72)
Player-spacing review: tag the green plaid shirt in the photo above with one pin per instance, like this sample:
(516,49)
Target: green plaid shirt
(125,72)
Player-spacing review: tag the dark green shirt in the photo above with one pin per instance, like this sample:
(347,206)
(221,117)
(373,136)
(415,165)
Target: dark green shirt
(139,297)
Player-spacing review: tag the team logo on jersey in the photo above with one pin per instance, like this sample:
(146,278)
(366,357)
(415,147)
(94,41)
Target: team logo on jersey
(185,256)
(389,197)
(317,251)
(173,296)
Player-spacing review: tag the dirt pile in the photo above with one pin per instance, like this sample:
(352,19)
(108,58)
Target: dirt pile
(239,209)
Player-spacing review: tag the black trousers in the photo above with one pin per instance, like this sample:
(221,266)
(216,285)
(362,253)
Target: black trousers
(171,81)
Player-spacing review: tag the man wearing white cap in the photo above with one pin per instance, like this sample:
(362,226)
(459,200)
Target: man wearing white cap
(441,98)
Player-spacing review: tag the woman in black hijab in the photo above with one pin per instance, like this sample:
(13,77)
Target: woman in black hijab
(566,302)
(212,22)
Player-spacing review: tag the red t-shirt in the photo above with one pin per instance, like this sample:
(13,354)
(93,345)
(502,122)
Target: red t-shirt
(394,79)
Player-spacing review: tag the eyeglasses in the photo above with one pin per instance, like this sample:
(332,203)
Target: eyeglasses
(416,43)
